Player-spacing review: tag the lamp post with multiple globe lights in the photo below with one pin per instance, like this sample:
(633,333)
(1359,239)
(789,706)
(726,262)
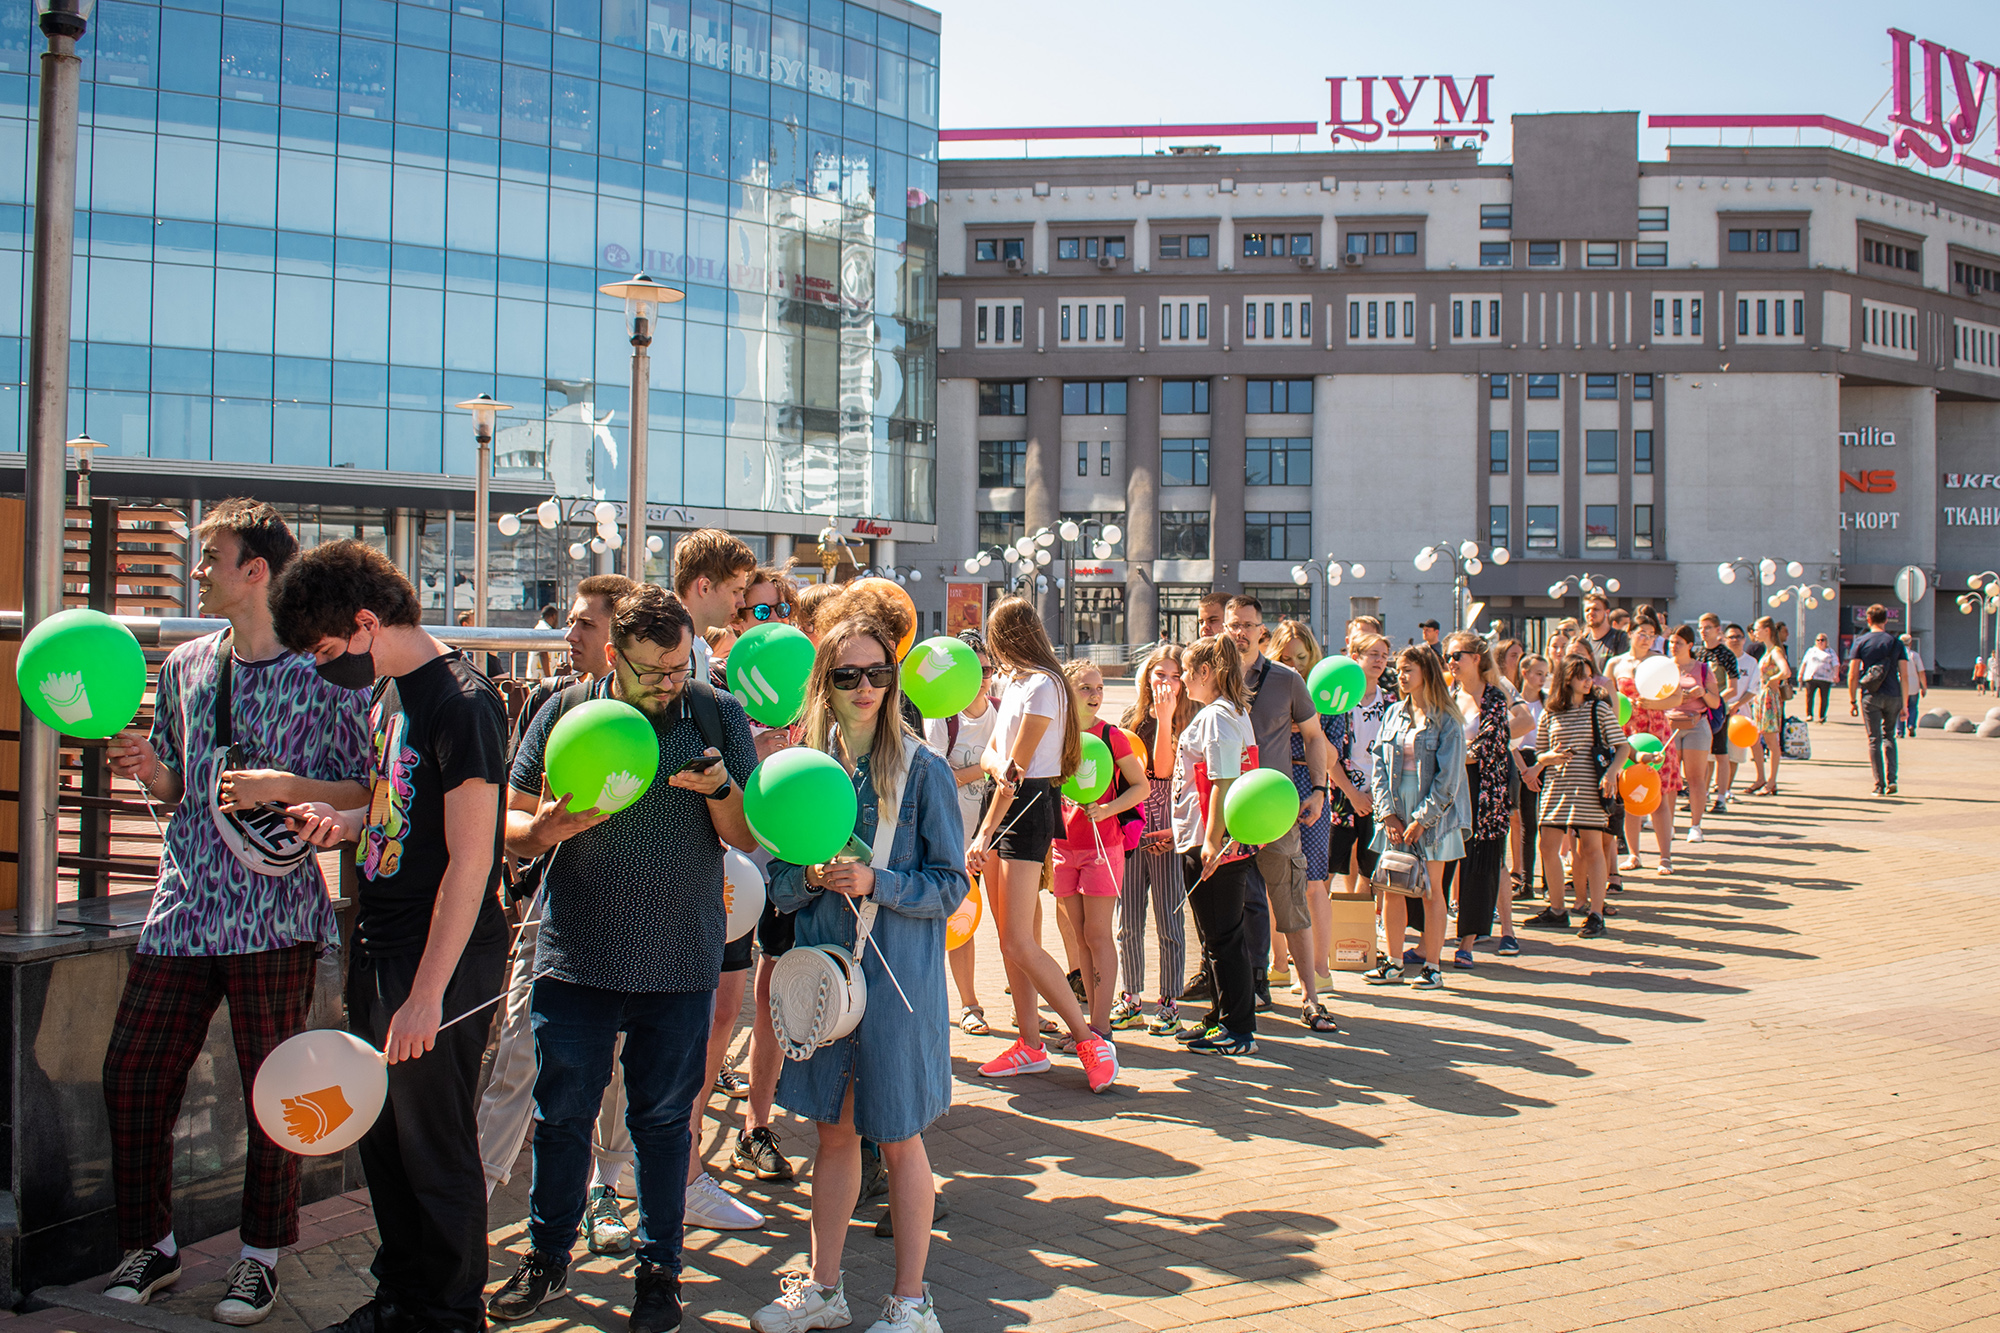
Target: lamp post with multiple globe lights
(1984,597)
(1332,568)
(1466,563)
(1765,573)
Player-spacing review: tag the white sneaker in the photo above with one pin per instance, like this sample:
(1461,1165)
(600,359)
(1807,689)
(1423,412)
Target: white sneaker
(802,1304)
(1694,834)
(712,1207)
(899,1316)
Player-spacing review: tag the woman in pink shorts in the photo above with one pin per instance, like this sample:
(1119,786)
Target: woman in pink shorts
(1090,855)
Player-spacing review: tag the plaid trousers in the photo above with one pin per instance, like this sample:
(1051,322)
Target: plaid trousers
(161,1026)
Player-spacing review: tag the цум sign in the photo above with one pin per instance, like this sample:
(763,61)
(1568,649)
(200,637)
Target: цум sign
(1934,138)
(1458,112)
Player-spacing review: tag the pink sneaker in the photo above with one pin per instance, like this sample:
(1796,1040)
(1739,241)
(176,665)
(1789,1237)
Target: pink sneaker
(1020,1058)
(1100,1062)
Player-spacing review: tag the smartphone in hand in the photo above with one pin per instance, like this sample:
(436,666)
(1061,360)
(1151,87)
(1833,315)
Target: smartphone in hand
(701,763)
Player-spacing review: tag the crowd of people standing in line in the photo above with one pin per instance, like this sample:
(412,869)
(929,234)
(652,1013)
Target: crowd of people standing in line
(604,934)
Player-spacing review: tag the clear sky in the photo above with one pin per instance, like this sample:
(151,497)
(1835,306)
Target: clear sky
(1112,62)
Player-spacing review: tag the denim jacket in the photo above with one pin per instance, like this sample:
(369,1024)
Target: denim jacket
(1443,803)
(899,1060)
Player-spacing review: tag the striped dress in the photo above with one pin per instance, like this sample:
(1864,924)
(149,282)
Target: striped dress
(1570,795)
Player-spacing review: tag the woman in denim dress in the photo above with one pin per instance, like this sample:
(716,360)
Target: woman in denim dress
(891,1077)
(1421,804)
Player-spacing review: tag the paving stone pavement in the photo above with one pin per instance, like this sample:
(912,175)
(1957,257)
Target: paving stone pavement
(1766,1100)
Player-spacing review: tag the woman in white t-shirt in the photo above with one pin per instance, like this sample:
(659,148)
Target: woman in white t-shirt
(1218,747)
(962,739)
(1036,743)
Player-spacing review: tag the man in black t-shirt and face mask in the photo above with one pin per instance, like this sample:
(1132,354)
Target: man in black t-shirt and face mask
(429,939)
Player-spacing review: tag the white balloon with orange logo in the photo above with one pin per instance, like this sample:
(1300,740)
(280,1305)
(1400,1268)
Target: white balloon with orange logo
(320,1091)
(742,893)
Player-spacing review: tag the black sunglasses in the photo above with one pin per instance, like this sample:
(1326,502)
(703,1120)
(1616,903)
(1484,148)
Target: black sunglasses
(849,677)
(765,610)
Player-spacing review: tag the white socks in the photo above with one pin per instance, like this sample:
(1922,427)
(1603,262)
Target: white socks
(605,1175)
(268,1258)
(168,1246)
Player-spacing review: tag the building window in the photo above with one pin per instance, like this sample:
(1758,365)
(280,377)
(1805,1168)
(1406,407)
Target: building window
(1184,462)
(1253,244)
(1179,398)
(1542,527)
(1496,525)
(1787,241)
(1496,386)
(1069,247)
(1000,527)
(1197,247)
(1544,386)
(998,323)
(1083,458)
(1003,462)
(1600,254)
(1274,396)
(1600,386)
(1600,451)
(1277,462)
(1104,458)
(1093,398)
(1763,240)
(1286,320)
(1649,254)
(1090,247)
(1642,388)
(986,251)
(1496,452)
(1170,247)
(1496,217)
(1642,527)
(1286,601)
(1277,536)
(1496,254)
(1013,248)
(1475,318)
(1003,398)
(1301,243)
(1095,321)
(1652,219)
(1642,451)
(1184,534)
(1600,527)
(1890,256)
(1392,319)
(1975,277)
(1183,319)
(1544,450)
(1545,254)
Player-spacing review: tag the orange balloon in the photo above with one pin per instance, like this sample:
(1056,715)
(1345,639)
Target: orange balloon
(1138,746)
(1742,732)
(896,591)
(1640,786)
(958,927)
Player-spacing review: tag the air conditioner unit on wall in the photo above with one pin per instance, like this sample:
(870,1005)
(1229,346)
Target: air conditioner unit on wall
(1107,261)
(1306,261)
(1016,264)
(1351,259)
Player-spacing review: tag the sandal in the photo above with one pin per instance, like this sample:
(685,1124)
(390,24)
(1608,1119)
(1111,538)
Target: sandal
(1317,1019)
(1666,865)
(972,1019)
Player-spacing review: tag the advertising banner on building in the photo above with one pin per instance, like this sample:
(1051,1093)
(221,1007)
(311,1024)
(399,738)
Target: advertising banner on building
(965,607)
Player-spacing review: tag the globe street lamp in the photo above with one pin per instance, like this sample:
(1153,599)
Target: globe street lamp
(1984,597)
(1103,537)
(1302,574)
(1764,574)
(1465,563)
(642,296)
(483,410)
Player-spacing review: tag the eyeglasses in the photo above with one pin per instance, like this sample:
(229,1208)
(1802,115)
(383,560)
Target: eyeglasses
(1465,652)
(765,610)
(649,679)
(848,678)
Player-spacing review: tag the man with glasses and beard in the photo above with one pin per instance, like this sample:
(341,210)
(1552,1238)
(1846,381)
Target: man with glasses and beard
(632,942)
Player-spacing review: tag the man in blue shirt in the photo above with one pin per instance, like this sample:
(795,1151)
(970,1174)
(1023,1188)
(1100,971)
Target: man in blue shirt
(1878,690)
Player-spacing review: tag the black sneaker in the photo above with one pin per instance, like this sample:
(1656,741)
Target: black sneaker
(1548,919)
(757,1152)
(656,1300)
(376,1316)
(1264,1004)
(1200,989)
(143,1273)
(252,1291)
(1221,1041)
(1593,927)
(732,1084)
(1199,1028)
(540,1278)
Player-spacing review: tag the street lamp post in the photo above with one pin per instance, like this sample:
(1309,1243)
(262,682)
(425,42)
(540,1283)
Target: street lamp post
(1302,574)
(1106,536)
(483,410)
(1465,560)
(63,22)
(1803,597)
(641,296)
(1765,574)
(1984,597)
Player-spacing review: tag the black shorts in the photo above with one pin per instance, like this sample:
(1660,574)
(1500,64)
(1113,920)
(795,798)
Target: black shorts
(1033,822)
(776,932)
(1718,743)
(1355,836)
(736,953)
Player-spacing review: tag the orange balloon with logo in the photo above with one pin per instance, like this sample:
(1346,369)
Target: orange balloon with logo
(896,592)
(958,927)
(1640,785)
(1742,732)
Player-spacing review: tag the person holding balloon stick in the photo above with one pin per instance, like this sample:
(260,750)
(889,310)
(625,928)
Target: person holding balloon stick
(889,1077)
(961,738)
(1036,741)
(1649,686)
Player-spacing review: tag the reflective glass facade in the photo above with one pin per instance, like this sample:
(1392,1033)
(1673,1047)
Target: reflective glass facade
(306,227)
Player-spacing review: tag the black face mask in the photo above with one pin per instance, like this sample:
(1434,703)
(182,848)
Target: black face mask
(350,670)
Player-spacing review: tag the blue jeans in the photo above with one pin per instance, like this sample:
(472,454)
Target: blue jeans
(666,1049)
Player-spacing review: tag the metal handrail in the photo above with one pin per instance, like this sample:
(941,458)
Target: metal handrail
(172,631)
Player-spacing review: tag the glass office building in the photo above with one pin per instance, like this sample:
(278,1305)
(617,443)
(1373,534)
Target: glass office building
(307,227)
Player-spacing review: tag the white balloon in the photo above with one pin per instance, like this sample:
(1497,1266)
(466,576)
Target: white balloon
(320,1091)
(1657,677)
(742,893)
(655,544)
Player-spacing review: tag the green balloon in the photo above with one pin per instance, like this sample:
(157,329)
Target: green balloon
(602,753)
(82,673)
(768,670)
(1337,684)
(1624,710)
(1260,807)
(801,807)
(1647,743)
(1093,776)
(941,676)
